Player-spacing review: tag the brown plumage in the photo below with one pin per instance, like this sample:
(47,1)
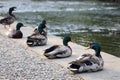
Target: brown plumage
(8,20)
(16,33)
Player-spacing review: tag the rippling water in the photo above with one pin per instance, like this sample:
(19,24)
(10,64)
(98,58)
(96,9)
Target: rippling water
(84,21)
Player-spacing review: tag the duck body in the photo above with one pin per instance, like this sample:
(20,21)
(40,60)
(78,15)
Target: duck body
(8,19)
(59,51)
(87,63)
(39,36)
(16,33)
(36,40)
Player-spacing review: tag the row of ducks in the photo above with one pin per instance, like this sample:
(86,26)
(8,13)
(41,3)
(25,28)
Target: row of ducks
(85,63)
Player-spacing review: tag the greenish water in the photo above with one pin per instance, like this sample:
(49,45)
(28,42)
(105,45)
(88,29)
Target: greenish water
(84,21)
(108,43)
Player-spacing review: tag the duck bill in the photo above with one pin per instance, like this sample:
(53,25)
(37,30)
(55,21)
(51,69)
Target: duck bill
(24,26)
(87,48)
(14,8)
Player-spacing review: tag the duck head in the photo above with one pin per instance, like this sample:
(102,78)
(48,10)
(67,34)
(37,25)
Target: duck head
(19,25)
(41,27)
(66,40)
(44,22)
(11,9)
(96,46)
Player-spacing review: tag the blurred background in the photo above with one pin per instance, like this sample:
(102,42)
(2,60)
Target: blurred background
(84,20)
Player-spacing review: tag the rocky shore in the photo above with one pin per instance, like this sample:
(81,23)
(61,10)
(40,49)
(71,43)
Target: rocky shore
(18,63)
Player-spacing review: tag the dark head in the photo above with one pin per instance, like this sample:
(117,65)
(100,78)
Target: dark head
(66,40)
(19,25)
(96,47)
(42,26)
(44,22)
(11,9)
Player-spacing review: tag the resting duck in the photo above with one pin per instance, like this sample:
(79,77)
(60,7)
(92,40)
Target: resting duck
(39,36)
(16,33)
(8,20)
(59,51)
(88,62)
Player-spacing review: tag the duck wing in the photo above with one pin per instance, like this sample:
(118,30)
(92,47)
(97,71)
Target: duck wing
(7,20)
(52,48)
(85,58)
(66,52)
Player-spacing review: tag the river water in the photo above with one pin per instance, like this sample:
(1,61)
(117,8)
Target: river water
(84,21)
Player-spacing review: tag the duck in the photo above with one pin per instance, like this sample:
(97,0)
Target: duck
(39,36)
(16,33)
(116,33)
(59,51)
(88,62)
(8,20)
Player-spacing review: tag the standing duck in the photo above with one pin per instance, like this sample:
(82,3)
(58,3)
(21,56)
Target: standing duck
(16,33)
(88,62)
(59,51)
(39,36)
(8,20)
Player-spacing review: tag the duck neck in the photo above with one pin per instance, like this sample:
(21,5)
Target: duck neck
(11,14)
(97,51)
(65,43)
(40,30)
(18,28)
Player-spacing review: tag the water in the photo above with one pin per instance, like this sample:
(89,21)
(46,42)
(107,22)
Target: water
(84,21)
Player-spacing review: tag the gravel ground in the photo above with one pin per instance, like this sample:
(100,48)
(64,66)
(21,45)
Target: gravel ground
(17,63)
